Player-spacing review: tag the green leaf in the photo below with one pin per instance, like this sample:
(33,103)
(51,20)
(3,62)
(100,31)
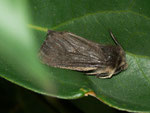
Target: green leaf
(129,21)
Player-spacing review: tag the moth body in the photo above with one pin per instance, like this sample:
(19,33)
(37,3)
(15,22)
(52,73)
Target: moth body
(69,51)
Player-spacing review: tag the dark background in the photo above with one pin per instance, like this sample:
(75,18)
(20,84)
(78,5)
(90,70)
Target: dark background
(15,99)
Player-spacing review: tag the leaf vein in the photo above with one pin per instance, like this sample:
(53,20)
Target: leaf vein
(140,69)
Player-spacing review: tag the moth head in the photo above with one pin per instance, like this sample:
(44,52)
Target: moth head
(121,64)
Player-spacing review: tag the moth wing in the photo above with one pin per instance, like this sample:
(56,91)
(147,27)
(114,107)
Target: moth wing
(66,50)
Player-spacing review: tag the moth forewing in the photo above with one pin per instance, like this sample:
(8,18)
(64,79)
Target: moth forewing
(69,51)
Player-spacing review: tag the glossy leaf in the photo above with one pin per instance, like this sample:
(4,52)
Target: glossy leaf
(129,21)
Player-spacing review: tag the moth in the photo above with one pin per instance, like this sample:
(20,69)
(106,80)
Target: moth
(69,51)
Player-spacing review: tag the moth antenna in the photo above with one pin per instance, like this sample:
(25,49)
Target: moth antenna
(114,39)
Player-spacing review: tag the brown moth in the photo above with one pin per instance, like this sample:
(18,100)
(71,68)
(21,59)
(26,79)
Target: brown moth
(69,51)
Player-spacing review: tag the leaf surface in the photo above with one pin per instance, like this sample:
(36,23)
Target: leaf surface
(129,21)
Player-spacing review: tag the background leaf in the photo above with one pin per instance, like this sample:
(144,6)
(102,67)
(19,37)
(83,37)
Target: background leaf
(129,21)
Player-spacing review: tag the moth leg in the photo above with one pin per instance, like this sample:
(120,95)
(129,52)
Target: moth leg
(103,73)
(96,72)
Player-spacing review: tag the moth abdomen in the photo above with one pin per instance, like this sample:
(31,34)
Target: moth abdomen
(69,51)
